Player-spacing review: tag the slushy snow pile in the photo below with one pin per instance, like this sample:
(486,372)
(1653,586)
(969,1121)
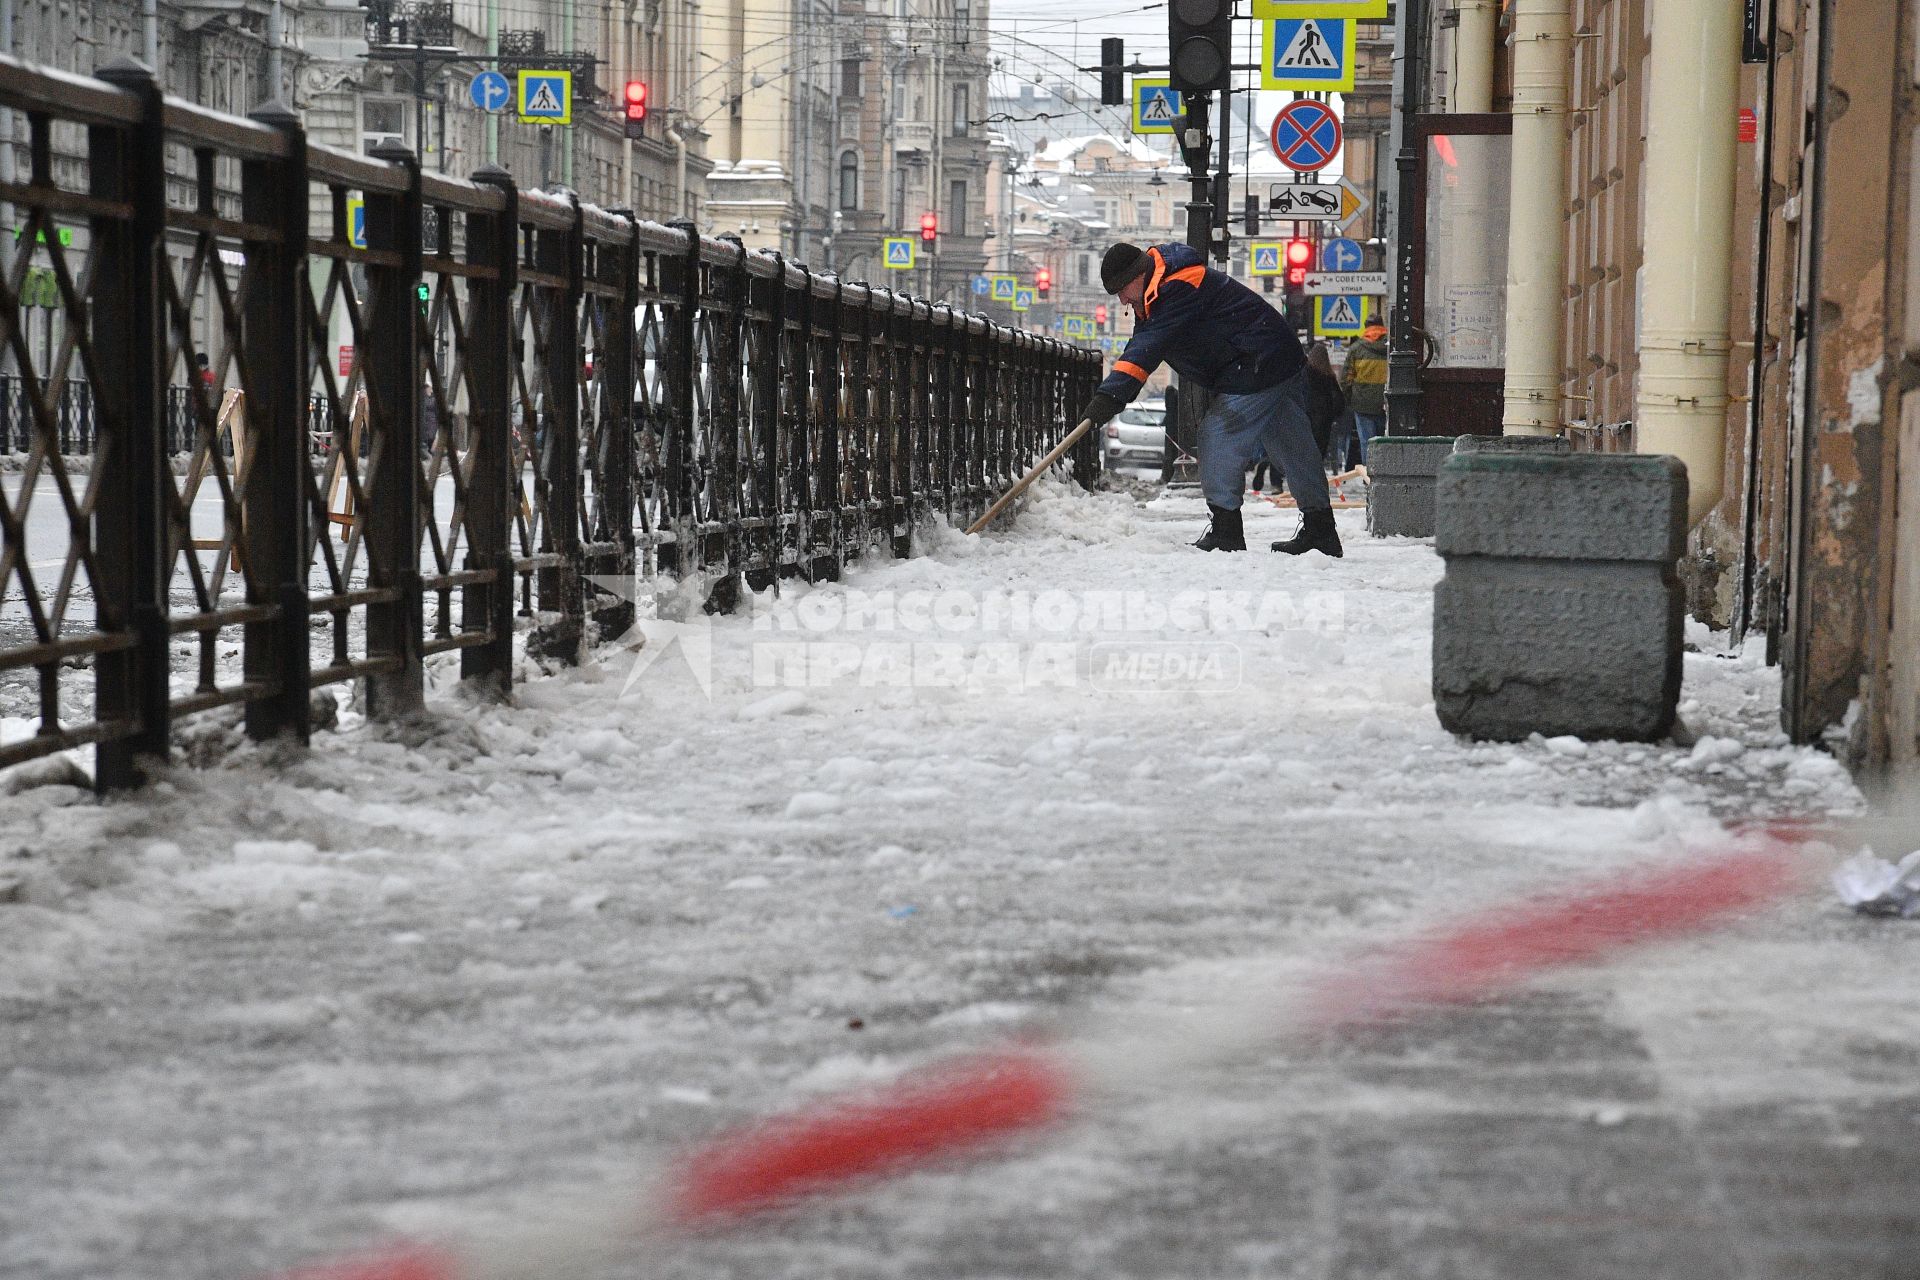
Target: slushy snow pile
(287,1002)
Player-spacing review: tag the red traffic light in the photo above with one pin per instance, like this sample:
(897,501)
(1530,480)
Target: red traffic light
(929,225)
(636,97)
(1299,254)
(1042,280)
(1100,313)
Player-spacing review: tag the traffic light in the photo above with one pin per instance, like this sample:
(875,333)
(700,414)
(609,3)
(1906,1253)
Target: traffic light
(1113,79)
(929,227)
(1100,313)
(636,103)
(1299,258)
(1253,214)
(1042,281)
(1200,42)
(424,292)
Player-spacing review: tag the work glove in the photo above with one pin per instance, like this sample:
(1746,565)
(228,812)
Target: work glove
(1100,408)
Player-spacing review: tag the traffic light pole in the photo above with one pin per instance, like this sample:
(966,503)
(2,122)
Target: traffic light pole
(1403,356)
(1191,129)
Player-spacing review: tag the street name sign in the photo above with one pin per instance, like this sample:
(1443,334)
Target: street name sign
(1326,283)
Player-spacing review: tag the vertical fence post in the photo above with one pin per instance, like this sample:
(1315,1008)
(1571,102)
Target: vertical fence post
(828,487)
(393,393)
(727,332)
(800,454)
(274,526)
(770,297)
(613,366)
(680,279)
(492,243)
(558,253)
(858,485)
(131,686)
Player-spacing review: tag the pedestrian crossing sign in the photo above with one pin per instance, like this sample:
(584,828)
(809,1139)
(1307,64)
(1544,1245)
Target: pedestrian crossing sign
(1023,300)
(1004,287)
(899,253)
(1155,104)
(1267,259)
(1263,9)
(1309,54)
(546,97)
(1337,315)
(1078,327)
(357,221)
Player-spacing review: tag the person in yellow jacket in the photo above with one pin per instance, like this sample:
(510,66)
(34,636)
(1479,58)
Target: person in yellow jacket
(1364,379)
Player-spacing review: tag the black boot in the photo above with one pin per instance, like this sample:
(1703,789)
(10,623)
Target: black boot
(1316,534)
(1224,534)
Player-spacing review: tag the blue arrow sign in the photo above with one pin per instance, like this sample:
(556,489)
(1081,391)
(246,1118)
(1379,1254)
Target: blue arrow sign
(489,91)
(1340,254)
(980,286)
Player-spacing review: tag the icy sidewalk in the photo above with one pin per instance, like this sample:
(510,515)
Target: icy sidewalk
(287,1005)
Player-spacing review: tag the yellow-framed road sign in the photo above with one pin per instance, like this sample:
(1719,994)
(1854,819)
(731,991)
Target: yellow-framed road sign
(1308,54)
(899,253)
(1339,315)
(1155,104)
(544,97)
(1319,8)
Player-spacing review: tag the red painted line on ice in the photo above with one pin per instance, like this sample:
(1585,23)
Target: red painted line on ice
(957,1108)
(966,1105)
(404,1262)
(1502,946)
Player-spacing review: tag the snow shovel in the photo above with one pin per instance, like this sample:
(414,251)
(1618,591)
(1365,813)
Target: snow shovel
(1031,476)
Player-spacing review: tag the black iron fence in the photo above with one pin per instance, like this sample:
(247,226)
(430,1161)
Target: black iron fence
(531,393)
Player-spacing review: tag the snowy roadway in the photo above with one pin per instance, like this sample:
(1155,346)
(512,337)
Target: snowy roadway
(428,981)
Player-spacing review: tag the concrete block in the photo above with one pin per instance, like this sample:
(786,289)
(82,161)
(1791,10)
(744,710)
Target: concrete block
(1512,444)
(1400,477)
(1560,611)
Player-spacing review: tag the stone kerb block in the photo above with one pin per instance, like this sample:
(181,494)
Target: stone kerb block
(1513,444)
(1560,611)
(1400,476)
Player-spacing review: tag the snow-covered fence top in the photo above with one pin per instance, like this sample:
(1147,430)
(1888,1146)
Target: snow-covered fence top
(420,405)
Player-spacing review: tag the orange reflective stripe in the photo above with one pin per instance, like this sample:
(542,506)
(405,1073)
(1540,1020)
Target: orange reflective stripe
(1192,275)
(1153,283)
(1131,369)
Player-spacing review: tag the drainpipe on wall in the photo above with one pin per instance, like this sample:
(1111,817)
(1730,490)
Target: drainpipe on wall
(679,141)
(1473,56)
(1536,222)
(6,115)
(276,52)
(1684,333)
(150,37)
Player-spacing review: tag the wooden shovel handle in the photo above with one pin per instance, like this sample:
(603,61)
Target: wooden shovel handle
(1086,425)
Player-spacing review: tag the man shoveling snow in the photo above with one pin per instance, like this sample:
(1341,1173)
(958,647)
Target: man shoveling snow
(1220,336)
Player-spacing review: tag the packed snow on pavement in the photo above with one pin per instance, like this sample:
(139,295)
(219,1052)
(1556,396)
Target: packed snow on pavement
(436,979)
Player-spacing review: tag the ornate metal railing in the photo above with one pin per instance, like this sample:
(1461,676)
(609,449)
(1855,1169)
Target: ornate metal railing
(529,393)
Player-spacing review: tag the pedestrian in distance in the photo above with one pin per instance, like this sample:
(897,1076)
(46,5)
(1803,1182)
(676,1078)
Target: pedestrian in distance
(1364,379)
(1223,338)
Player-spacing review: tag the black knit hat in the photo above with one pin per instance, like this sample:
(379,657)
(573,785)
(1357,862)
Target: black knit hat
(1123,262)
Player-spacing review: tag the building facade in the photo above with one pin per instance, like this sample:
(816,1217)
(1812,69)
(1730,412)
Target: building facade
(1811,544)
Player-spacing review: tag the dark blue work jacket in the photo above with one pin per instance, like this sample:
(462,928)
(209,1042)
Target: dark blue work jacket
(1209,327)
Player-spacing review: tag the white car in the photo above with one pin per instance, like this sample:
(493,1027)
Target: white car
(1136,439)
